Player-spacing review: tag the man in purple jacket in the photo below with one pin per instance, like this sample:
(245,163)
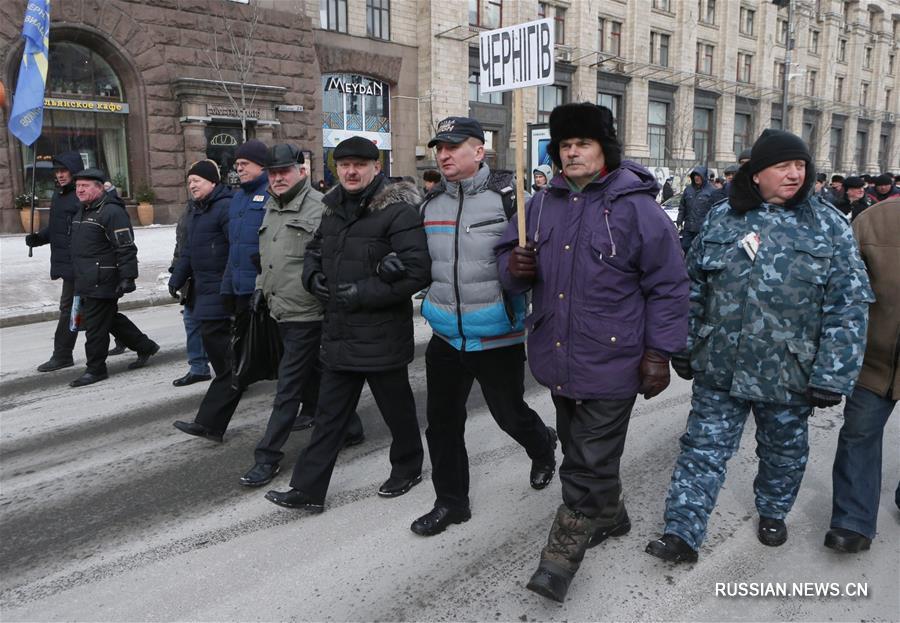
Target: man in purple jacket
(610,303)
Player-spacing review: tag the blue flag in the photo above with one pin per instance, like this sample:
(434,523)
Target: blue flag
(27,117)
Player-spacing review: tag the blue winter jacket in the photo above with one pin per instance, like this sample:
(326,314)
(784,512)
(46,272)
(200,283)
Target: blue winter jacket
(204,254)
(696,202)
(248,207)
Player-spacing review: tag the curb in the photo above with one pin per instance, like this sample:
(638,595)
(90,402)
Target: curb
(53,313)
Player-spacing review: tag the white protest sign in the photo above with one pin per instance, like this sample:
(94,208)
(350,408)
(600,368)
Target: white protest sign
(517,56)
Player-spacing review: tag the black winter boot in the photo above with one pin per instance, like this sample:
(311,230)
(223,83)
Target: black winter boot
(569,537)
(613,521)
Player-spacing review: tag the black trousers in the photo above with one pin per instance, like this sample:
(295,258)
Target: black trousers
(298,380)
(221,399)
(592,435)
(338,397)
(501,374)
(101,317)
(64,338)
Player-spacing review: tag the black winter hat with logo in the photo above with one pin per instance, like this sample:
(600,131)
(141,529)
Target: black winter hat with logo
(585,120)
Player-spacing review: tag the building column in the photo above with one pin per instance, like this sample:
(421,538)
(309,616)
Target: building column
(823,142)
(871,156)
(724,134)
(635,144)
(848,163)
(682,130)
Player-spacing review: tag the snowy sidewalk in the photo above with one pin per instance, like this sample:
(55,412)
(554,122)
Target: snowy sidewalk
(27,294)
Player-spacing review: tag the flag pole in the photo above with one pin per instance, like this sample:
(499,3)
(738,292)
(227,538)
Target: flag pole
(33,179)
(520,177)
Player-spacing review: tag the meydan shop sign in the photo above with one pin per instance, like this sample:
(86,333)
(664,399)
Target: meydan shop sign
(372,87)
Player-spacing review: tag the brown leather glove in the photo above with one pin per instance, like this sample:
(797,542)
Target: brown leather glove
(654,373)
(523,262)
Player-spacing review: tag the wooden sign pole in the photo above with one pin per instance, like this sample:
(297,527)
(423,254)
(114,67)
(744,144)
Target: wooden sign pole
(518,116)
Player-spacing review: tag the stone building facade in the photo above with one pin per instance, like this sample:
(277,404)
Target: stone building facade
(131,86)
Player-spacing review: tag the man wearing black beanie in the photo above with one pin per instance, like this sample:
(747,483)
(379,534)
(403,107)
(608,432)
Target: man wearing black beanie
(779,304)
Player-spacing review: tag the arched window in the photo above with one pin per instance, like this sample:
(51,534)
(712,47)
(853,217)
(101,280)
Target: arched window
(85,110)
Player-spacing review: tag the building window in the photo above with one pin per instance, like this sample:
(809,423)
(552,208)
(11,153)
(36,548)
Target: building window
(811,82)
(883,142)
(475,94)
(813,41)
(867,58)
(378,18)
(862,143)
(657,128)
(702,134)
(780,75)
(891,64)
(705,54)
(362,107)
(839,88)
(549,97)
(659,49)
(781,32)
(559,26)
(887,99)
(864,94)
(834,148)
(609,36)
(809,137)
(615,38)
(662,5)
(744,67)
(707,11)
(742,125)
(486,13)
(614,103)
(333,15)
(842,51)
(98,134)
(748,16)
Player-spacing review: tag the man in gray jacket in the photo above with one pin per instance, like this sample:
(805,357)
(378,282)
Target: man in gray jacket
(293,213)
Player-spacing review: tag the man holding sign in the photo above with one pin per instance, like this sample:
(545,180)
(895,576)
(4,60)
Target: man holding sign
(610,303)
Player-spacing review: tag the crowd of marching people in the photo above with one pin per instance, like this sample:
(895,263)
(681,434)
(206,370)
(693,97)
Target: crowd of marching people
(763,293)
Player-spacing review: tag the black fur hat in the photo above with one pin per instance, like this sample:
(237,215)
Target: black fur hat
(585,120)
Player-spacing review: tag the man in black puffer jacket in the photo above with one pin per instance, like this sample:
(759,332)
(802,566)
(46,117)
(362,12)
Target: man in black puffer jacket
(104,263)
(351,265)
(63,207)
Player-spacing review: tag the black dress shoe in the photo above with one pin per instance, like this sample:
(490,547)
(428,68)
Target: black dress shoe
(197,430)
(303,421)
(542,471)
(394,487)
(260,474)
(846,541)
(295,499)
(118,349)
(672,548)
(88,378)
(55,364)
(190,378)
(142,358)
(439,519)
(772,532)
(354,440)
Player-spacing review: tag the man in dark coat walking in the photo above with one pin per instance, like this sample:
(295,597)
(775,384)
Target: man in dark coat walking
(367,333)
(104,263)
(696,200)
(63,207)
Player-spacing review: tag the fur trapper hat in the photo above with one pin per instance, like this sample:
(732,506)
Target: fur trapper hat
(585,120)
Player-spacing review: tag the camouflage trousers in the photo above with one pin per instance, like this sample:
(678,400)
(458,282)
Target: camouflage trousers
(713,434)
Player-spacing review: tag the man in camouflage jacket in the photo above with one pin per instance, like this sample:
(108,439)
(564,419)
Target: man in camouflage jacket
(777,325)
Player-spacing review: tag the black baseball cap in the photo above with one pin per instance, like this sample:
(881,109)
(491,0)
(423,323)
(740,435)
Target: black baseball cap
(455,130)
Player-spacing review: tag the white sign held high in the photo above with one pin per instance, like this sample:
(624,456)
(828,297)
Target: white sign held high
(517,56)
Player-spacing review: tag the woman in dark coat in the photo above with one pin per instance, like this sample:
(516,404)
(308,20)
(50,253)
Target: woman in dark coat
(203,258)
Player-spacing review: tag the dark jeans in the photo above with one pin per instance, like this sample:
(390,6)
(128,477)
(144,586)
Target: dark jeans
(197,359)
(296,371)
(501,374)
(856,476)
(221,399)
(338,397)
(592,435)
(687,238)
(101,317)
(64,338)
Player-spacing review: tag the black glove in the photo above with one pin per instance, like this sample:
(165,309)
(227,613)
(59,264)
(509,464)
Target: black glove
(822,397)
(654,373)
(257,301)
(318,287)
(257,263)
(347,296)
(229,304)
(681,363)
(173,292)
(523,262)
(390,268)
(33,240)
(125,286)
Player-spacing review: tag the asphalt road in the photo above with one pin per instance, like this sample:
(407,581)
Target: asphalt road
(107,513)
